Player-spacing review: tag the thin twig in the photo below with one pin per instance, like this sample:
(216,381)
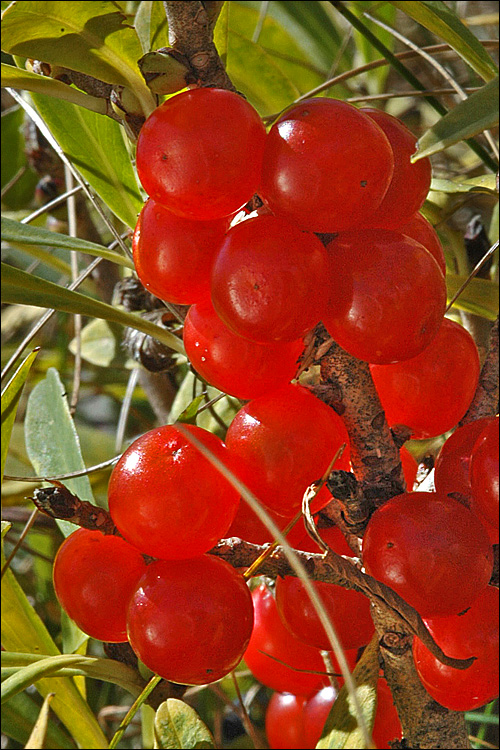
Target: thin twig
(77,318)
(50,205)
(125,409)
(29,524)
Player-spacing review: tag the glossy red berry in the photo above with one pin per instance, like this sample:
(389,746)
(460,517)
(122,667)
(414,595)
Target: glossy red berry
(349,611)
(94,578)
(387,295)
(286,440)
(285,721)
(315,713)
(193,153)
(484,472)
(410,183)
(173,256)
(167,499)
(421,230)
(431,392)
(472,633)
(190,620)
(326,165)
(238,366)
(451,470)
(275,657)
(247,525)
(270,280)
(431,549)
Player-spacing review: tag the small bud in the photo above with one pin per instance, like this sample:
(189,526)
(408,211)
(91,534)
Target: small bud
(166,71)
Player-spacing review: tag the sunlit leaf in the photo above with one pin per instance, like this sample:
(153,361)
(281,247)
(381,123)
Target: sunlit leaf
(342,729)
(442,20)
(25,80)
(151,25)
(95,146)
(10,401)
(38,736)
(178,726)
(479,297)
(475,114)
(13,160)
(485,183)
(20,713)
(27,236)
(19,287)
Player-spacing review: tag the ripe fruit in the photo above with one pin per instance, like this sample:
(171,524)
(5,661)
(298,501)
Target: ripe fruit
(472,633)
(421,230)
(193,153)
(484,472)
(270,280)
(387,295)
(167,499)
(94,578)
(316,712)
(349,611)
(451,470)
(190,620)
(410,183)
(410,467)
(271,639)
(235,365)
(173,256)
(284,721)
(326,165)
(248,526)
(286,440)
(431,392)
(431,550)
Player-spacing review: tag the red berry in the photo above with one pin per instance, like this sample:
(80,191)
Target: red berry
(472,633)
(484,472)
(410,182)
(326,165)
(421,230)
(271,643)
(410,467)
(193,153)
(431,392)
(387,295)
(387,726)
(94,578)
(349,611)
(235,365)
(451,470)
(247,525)
(190,620)
(173,256)
(270,280)
(167,499)
(431,550)
(315,713)
(286,441)
(285,720)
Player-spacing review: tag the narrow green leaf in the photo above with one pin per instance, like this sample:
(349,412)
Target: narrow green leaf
(442,20)
(10,401)
(151,25)
(26,236)
(96,146)
(341,729)
(475,114)
(19,287)
(188,416)
(26,676)
(177,725)
(25,80)
(90,37)
(19,715)
(39,734)
(484,183)
(20,193)
(51,439)
(480,296)
(23,629)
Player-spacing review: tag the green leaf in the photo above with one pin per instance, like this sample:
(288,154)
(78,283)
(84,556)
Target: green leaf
(365,51)
(480,296)
(95,145)
(23,629)
(25,80)
(475,114)
(90,37)
(439,18)
(51,439)
(19,715)
(99,345)
(19,287)
(10,401)
(13,160)
(26,236)
(39,734)
(341,729)
(177,725)
(484,183)
(188,416)
(151,25)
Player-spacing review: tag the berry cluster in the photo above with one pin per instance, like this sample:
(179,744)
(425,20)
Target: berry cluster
(338,239)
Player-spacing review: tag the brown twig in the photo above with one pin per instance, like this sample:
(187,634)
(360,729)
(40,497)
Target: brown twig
(485,401)
(59,502)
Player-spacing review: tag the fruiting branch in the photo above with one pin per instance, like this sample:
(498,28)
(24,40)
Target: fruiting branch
(485,402)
